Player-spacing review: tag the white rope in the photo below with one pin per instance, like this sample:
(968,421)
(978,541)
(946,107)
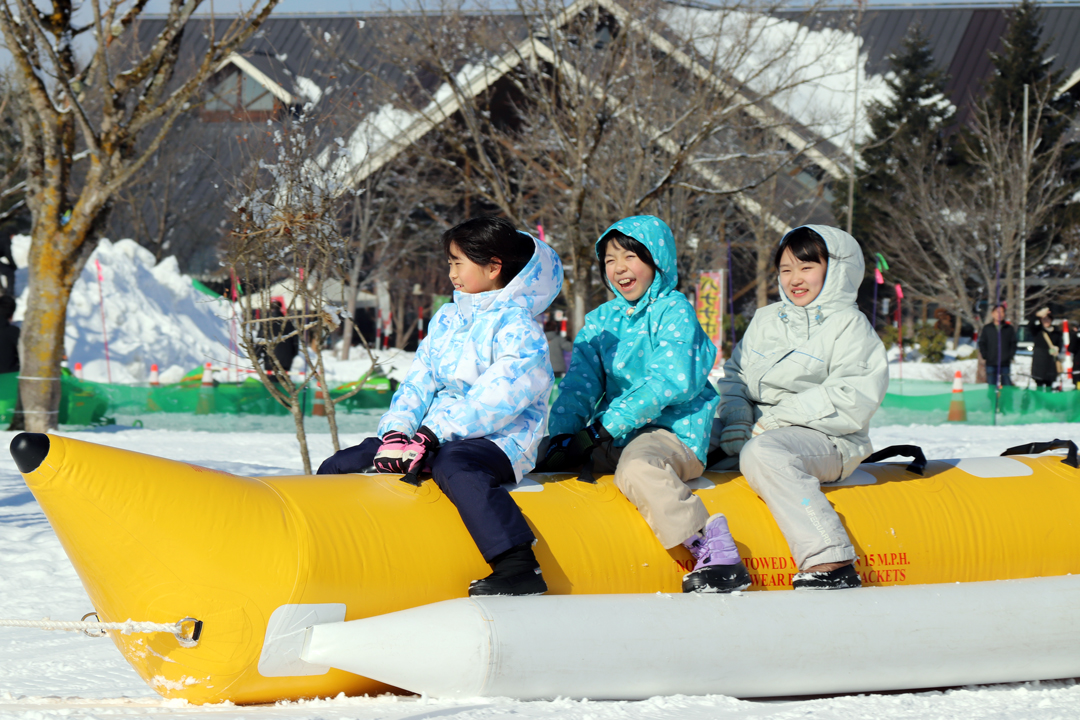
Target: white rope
(125,627)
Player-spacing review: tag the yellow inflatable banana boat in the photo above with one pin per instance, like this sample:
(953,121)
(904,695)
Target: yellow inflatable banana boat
(256,560)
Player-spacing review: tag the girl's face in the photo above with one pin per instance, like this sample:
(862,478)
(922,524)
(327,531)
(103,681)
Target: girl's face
(626,272)
(801,280)
(468,277)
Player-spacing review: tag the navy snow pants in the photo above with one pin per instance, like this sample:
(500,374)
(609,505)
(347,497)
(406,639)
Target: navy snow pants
(472,474)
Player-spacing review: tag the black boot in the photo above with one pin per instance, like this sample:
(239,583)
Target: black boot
(717,579)
(516,573)
(841,578)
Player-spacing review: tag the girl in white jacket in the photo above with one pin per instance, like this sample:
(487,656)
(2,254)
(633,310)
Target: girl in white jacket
(798,394)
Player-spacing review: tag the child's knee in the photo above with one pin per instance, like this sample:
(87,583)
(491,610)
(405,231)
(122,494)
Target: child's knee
(761,456)
(351,460)
(644,476)
(633,471)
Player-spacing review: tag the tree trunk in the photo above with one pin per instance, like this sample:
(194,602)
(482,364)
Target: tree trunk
(51,278)
(350,308)
(762,274)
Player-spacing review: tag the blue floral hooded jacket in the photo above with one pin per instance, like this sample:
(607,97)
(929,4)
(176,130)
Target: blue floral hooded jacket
(641,364)
(483,371)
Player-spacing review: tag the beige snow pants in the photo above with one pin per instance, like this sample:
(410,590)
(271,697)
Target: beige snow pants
(652,471)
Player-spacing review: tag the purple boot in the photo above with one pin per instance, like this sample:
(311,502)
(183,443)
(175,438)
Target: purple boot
(718,568)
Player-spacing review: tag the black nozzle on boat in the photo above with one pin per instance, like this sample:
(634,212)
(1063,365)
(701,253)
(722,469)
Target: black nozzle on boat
(29,450)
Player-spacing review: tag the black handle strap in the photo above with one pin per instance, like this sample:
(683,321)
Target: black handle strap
(412,478)
(586,474)
(1036,448)
(911,451)
(716,456)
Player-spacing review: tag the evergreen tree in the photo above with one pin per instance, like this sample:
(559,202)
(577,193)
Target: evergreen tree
(917,113)
(1024,60)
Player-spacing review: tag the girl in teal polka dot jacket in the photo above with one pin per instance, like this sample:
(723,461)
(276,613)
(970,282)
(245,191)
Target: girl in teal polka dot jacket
(636,400)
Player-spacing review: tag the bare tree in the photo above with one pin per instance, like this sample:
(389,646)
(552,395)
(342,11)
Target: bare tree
(956,233)
(578,115)
(1020,194)
(96,110)
(288,227)
(12,180)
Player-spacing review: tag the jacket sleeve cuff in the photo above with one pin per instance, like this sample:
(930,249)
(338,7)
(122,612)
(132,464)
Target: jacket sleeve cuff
(442,433)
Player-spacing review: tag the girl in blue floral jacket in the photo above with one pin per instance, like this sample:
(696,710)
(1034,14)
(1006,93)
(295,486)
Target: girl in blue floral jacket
(474,402)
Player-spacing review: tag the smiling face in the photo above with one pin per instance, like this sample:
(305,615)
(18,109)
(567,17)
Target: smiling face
(801,280)
(626,272)
(469,277)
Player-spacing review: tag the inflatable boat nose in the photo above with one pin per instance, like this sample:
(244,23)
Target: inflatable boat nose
(29,450)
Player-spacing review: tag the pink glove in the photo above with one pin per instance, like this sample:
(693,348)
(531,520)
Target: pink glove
(388,458)
(417,453)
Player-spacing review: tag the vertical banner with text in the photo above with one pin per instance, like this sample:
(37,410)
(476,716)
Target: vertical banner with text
(710,309)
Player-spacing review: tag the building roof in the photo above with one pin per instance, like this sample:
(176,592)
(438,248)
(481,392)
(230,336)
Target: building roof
(961,40)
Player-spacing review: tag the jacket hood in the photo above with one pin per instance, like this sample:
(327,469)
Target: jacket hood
(534,288)
(843,276)
(653,233)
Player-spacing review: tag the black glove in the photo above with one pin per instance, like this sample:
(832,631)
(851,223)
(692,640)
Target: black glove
(570,450)
(420,449)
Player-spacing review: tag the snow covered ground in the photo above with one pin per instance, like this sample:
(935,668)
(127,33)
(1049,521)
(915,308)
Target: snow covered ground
(68,675)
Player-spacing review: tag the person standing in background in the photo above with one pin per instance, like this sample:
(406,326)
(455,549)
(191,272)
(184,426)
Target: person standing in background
(9,336)
(1046,344)
(1074,348)
(997,346)
(7,268)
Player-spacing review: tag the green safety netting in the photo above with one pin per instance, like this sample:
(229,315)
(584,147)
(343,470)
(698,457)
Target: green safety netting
(925,402)
(908,402)
(89,403)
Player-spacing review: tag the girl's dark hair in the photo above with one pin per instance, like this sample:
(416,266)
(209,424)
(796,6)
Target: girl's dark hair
(481,239)
(805,245)
(628,244)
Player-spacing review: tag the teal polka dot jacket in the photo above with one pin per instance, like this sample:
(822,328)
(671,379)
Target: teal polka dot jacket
(642,364)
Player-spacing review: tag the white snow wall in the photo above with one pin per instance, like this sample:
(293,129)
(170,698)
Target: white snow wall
(152,314)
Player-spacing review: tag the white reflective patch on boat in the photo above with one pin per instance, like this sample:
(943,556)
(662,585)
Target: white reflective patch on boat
(285,634)
(991,467)
(859,477)
(700,483)
(526,485)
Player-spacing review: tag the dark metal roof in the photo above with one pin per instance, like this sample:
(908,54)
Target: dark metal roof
(961,39)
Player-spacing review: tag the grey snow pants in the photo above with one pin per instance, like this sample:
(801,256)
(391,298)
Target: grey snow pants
(786,467)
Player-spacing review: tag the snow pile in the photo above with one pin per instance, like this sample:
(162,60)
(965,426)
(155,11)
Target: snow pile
(807,73)
(153,315)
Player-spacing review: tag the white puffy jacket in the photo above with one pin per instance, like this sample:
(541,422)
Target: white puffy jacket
(821,366)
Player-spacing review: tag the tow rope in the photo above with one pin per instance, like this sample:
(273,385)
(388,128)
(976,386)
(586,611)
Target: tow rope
(187,631)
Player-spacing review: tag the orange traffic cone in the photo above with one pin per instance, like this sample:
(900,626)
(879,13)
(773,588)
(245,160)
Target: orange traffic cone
(957,408)
(318,408)
(78,371)
(154,381)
